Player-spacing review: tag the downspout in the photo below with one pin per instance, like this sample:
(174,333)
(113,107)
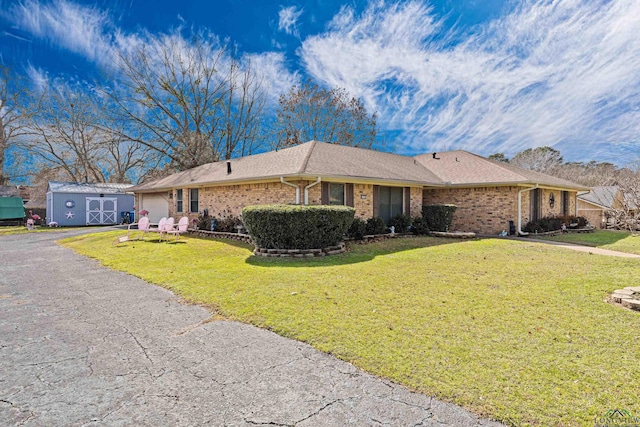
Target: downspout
(520,232)
(306,190)
(294,186)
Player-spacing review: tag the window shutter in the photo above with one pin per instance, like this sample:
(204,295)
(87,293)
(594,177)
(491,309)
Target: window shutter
(349,195)
(407,201)
(325,193)
(376,200)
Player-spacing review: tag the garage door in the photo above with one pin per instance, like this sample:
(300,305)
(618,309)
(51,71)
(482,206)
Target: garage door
(157,205)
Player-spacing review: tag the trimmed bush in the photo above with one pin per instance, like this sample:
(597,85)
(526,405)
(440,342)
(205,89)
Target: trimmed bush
(204,222)
(400,222)
(297,227)
(438,217)
(419,226)
(357,229)
(228,224)
(553,223)
(375,225)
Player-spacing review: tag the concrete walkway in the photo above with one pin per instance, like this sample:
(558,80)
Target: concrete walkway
(82,345)
(580,248)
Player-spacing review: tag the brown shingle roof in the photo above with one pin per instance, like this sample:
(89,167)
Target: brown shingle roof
(331,161)
(461,168)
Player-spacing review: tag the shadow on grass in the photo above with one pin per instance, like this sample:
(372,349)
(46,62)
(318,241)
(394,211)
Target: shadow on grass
(356,252)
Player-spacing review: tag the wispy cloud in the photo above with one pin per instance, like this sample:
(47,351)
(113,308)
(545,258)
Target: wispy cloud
(77,28)
(288,20)
(558,73)
(89,32)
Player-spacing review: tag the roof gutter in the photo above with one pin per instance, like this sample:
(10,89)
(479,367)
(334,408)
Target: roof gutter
(520,232)
(294,186)
(306,190)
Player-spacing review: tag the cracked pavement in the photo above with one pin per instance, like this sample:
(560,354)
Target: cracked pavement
(82,345)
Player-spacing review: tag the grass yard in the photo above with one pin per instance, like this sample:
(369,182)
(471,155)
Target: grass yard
(21,229)
(622,241)
(515,331)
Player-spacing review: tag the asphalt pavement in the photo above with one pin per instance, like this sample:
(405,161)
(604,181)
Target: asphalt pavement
(82,345)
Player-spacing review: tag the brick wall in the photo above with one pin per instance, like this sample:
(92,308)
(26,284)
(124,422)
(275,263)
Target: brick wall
(416,202)
(228,200)
(485,210)
(363,206)
(488,210)
(594,214)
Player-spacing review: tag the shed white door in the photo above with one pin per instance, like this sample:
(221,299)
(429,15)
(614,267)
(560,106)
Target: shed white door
(157,204)
(102,210)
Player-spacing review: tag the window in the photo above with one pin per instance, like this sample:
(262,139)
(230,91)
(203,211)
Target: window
(566,203)
(390,202)
(336,194)
(536,205)
(193,200)
(179,200)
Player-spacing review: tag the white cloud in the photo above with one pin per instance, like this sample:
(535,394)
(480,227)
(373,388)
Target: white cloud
(77,28)
(560,73)
(288,20)
(276,78)
(38,77)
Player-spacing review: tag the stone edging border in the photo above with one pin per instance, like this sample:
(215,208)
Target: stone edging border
(222,235)
(300,253)
(628,297)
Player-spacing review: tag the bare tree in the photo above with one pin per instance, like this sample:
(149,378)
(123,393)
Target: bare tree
(308,112)
(188,100)
(13,115)
(499,157)
(625,214)
(540,159)
(71,133)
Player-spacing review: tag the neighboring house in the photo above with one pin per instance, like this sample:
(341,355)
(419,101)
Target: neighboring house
(74,204)
(595,204)
(488,194)
(11,204)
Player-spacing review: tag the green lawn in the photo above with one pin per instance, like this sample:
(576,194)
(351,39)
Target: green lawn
(21,229)
(622,241)
(512,330)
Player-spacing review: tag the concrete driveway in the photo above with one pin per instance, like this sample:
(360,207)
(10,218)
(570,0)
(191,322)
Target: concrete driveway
(81,345)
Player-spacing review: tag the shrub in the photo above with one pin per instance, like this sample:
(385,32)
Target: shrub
(375,225)
(400,222)
(227,224)
(438,217)
(553,223)
(297,227)
(204,222)
(572,219)
(357,229)
(542,225)
(419,226)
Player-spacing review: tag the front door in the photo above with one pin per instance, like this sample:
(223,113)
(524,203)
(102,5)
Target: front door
(102,210)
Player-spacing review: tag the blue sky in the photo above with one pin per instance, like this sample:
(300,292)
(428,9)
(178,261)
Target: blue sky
(485,76)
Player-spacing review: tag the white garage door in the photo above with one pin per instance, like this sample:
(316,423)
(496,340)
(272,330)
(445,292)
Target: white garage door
(157,204)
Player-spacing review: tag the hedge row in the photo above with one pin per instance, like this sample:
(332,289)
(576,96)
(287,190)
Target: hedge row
(297,226)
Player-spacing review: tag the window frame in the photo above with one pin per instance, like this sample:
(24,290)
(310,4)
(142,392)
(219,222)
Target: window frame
(344,194)
(193,200)
(179,200)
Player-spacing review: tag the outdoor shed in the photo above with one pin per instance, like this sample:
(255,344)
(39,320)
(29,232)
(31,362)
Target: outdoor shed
(74,204)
